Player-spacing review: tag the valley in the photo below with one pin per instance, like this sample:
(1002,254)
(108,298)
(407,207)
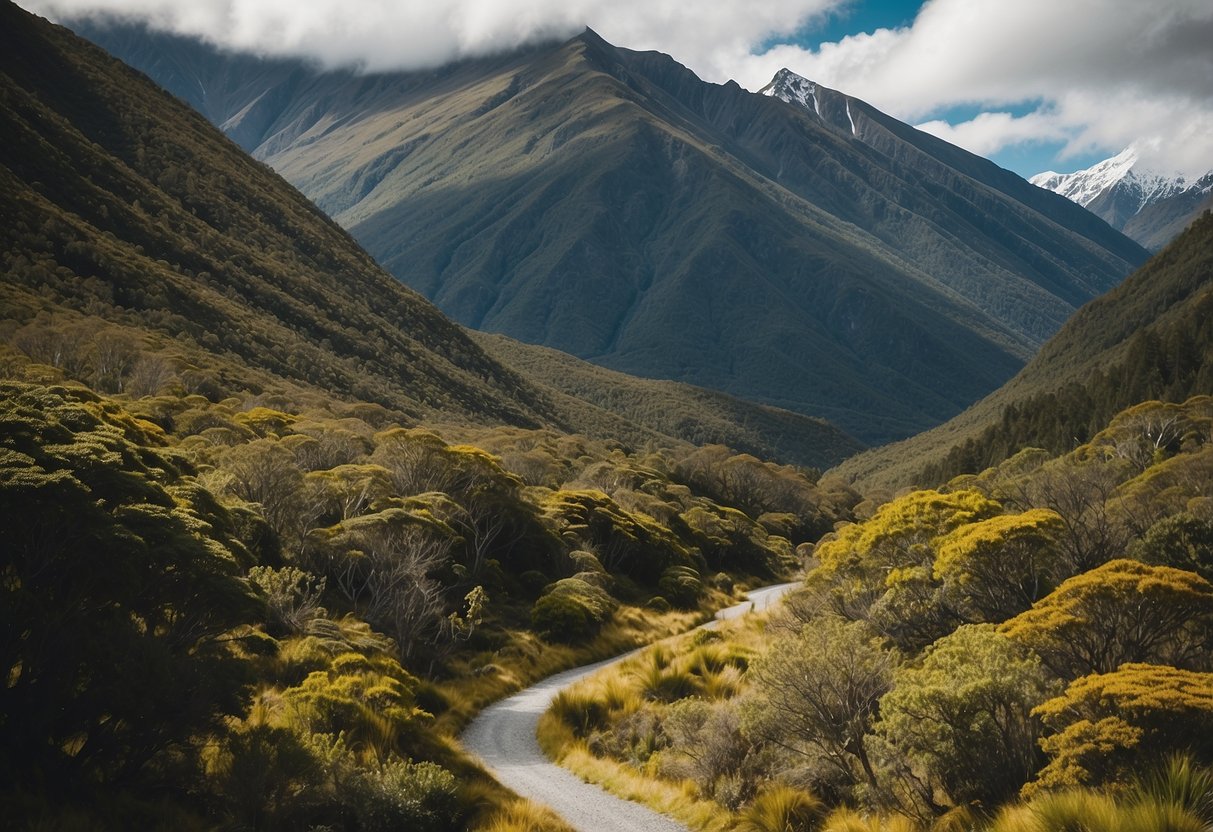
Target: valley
(550,438)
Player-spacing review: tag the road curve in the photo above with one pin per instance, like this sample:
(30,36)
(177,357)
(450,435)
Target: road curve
(503,737)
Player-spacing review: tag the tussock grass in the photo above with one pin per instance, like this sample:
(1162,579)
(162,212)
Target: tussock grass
(527,659)
(849,820)
(781,808)
(678,800)
(523,816)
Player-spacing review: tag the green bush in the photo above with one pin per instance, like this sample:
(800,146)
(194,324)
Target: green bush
(571,610)
(681,586)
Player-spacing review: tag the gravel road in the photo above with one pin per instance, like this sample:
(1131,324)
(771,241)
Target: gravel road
(503,737)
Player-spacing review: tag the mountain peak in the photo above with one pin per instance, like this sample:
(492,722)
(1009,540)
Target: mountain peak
(794,89)
(1147,204)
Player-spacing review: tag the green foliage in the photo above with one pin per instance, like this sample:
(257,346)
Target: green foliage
(571,610)
(1183,541)
(291,595)
(1123,611)
(959,722)
(1000,566)
(883,570)
(116,584)
(1109,725)
(818,693)
(681,586)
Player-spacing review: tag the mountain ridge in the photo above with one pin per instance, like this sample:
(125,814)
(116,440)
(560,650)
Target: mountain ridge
(1143,340)
(135,220)
(1150,206)
(610,204)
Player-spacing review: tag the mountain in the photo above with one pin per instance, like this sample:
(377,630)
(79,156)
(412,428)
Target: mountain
(1149,206)
(134,227)
(670,408)
(1149,338)
(610,204)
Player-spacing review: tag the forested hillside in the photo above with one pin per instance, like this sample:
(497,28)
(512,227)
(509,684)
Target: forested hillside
(279,617)
(1148,338)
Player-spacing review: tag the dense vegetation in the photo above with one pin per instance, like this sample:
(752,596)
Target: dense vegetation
(242,586)
(1028,648)
(1146,339)
(269,619)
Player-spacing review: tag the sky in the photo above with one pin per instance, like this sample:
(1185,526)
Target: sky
(1031,84)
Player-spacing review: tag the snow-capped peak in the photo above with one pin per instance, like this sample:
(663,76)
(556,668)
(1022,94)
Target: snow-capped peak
(1123,170)
(794,89)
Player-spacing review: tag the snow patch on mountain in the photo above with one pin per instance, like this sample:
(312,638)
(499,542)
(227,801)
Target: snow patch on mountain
(794,89)
(1140,185)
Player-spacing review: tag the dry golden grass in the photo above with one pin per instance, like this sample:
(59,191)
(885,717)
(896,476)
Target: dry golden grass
(527,659)
(707,663)
(523,816)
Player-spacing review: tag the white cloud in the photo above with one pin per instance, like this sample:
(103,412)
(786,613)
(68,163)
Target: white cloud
(409,34)
(989,133)
(1107,72)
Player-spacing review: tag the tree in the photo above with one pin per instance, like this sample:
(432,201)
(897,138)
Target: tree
(1184,541)
(816,694)
(118,596)
(882,569)
(959,722)
(1080,491)
(1110,726)
(385,564)
(1123,611)
(999,567)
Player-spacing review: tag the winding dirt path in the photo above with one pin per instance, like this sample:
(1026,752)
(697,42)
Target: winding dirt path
(503,737)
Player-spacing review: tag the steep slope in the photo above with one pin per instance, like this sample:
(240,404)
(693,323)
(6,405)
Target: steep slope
(670,408)
(1149,338)
(1151,207)
(124,206)
(610,204)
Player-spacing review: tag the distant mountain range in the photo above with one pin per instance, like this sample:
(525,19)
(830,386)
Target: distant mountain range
(608,203)
(131,223)
(1149,206)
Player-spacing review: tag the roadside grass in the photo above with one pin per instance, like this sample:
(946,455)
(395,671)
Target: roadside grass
(480,678)
(706,663)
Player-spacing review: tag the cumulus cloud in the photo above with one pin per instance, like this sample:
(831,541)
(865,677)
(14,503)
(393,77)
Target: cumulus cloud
(1109,73)
(988,133)
(1106,73)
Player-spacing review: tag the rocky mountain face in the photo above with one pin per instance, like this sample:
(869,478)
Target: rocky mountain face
(827,259)
(1149,206)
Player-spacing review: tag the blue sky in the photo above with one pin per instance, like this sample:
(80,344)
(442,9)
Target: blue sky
(866,16)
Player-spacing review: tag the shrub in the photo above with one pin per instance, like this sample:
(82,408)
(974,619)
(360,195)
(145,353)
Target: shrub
(571,610)
(402,794)
(681,586)
(658,604)
(782,809)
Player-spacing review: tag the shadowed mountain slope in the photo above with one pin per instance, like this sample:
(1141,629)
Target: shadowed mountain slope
(610,204)
(125,208)
(1149,338)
